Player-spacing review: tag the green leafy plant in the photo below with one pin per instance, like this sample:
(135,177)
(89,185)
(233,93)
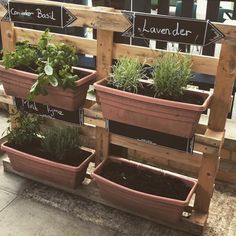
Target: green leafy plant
(126,74)
(26,131)
(25,55)
(52,62)
(59,142)
(171,74)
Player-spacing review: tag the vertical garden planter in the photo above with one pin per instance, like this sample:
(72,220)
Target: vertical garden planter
(46,170)
(17,83)
(172,117)
(150,205)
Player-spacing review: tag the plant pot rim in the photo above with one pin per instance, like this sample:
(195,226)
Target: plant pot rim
(49,162)
(185,202)
(101,86)
(31,75)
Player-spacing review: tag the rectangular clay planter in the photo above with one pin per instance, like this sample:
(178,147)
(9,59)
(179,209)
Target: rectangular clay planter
(17,83)
(60,174)
(171,117)
(144,204)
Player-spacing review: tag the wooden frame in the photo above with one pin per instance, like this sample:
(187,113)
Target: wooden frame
(211,136)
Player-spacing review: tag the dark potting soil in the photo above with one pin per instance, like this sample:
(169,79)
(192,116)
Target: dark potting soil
(190,98)
(74,158)
(30,69)
(146,181)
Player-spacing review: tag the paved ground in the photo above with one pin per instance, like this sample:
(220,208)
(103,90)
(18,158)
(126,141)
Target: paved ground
(20,215)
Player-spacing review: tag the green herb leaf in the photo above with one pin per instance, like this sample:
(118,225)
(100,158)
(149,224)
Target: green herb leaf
(53,81)
(48,70)
(34,87)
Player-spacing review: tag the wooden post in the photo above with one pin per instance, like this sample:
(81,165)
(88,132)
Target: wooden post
(102,145)
(104,53)
(226,74)
(104,63)
(9,43)
(206,180)
(8,36)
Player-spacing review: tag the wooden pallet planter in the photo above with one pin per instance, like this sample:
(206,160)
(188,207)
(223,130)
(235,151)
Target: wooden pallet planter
(209,137)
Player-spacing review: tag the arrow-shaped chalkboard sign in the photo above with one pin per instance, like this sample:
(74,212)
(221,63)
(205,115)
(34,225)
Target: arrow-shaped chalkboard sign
(76,116)
(38,14)
(173,29)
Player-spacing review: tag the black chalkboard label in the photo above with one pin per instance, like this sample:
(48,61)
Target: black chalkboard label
(173,29)
(76,117)
(39,14)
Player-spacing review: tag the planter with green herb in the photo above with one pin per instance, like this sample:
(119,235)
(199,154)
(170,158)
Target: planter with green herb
(45,73)
(162,102)
(54,155)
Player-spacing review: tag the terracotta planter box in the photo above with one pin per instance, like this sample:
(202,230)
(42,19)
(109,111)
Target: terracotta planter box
(144,204)
(60,174)
(165,116)
(18,83)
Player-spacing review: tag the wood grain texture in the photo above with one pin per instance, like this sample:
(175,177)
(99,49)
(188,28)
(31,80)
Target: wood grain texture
(164,152)
(9,43)
(104,53)
(221,101)
(82,45)
(206,180)
(102,145)
(201,64)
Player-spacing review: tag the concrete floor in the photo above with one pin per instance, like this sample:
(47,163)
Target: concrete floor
(22,216)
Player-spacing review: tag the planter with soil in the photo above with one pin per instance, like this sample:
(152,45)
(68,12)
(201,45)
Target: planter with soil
(30,160)
(173,117)
(143,189)
(55,155)
(17,83)
(45,73)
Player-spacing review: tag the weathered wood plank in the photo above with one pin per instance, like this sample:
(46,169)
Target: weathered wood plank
(209,142)
(83,45)
(164,152)
(6,99)
(104,53)
(102,145)
(206,180)
(9,43)
(221,101)
(201,64)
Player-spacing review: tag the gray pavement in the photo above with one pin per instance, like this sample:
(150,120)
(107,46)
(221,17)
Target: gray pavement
(22,216)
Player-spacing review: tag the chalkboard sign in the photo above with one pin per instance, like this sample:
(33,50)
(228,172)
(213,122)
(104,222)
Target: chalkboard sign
(173,29)
(38,14)
(76,117)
